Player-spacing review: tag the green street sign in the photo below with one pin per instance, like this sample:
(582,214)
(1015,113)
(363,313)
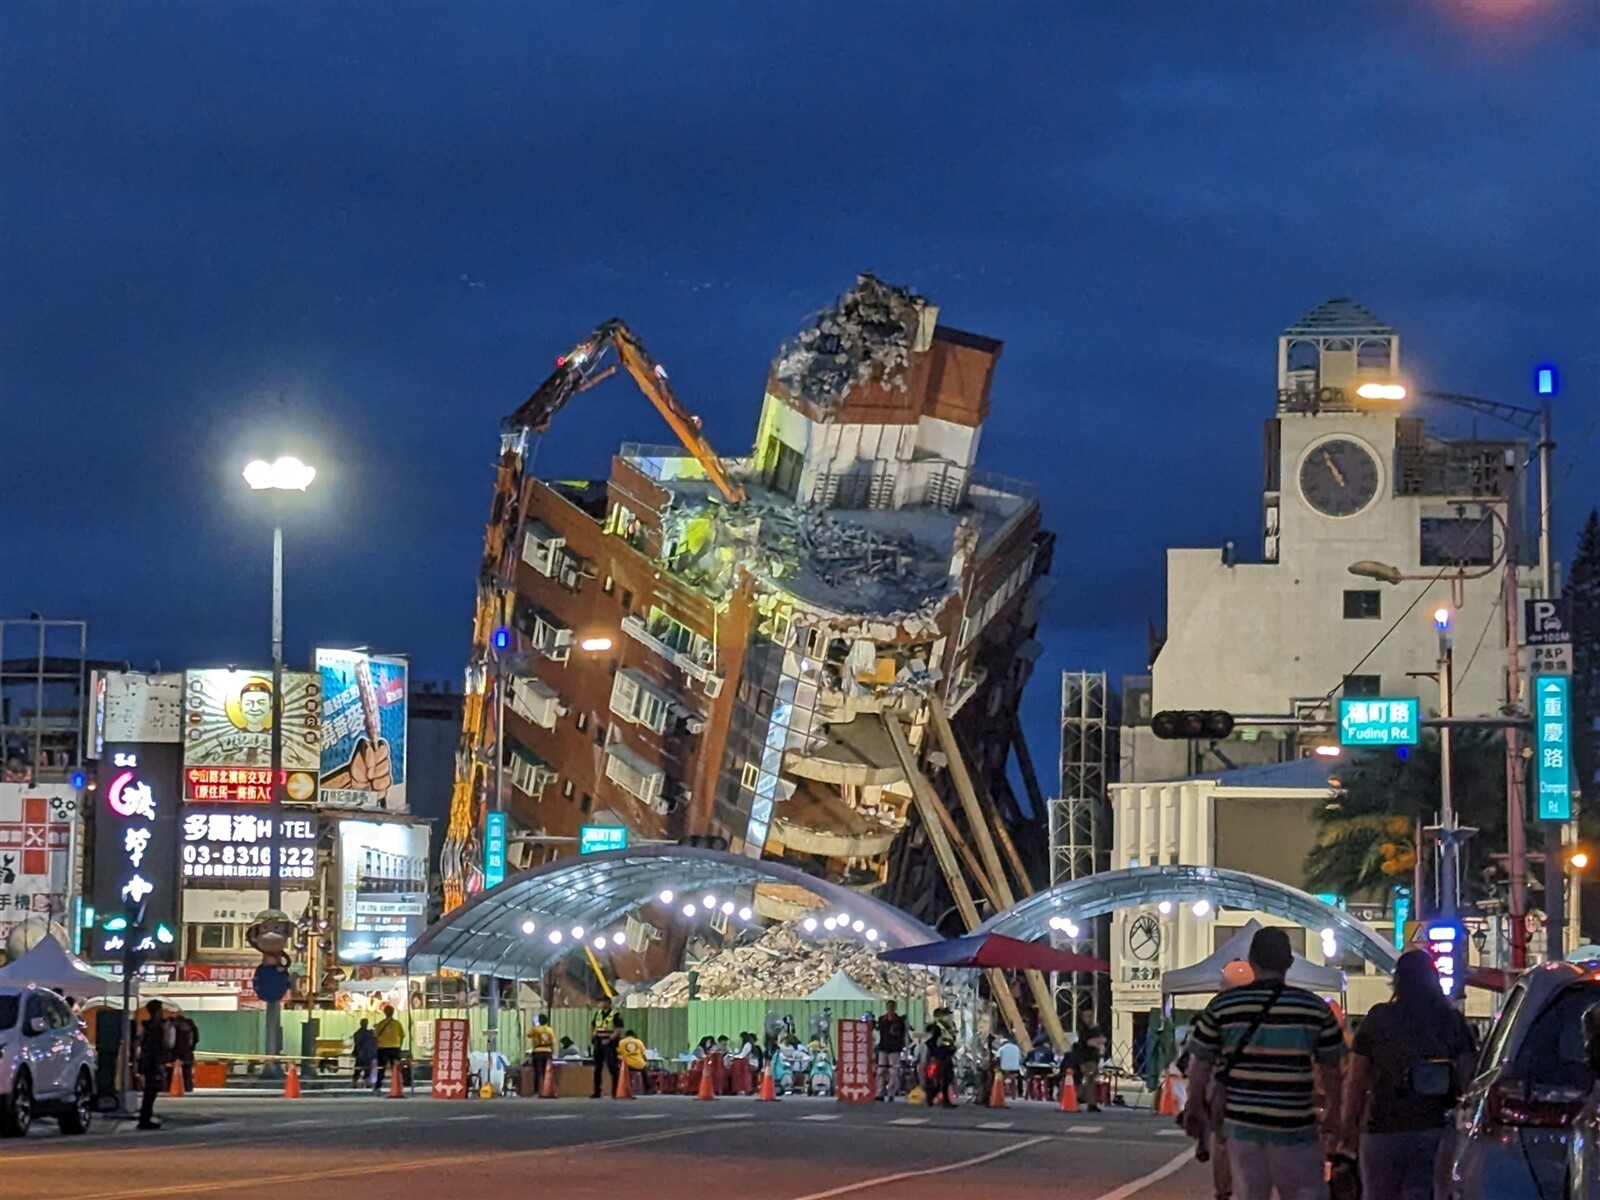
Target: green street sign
(597,839)
(1378,722)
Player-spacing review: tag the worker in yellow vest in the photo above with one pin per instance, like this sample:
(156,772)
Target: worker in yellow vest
(391,1040)
(630,1050)
(541,1046)
(603,1045)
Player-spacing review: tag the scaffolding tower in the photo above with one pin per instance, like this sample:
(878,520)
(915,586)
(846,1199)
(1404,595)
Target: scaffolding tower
(1079,829)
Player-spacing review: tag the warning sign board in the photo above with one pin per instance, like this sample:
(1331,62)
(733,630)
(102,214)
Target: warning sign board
(450,1059)
(856,1082)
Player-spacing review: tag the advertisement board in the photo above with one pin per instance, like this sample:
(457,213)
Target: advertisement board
(450,1059)
(221,846)
(135,843)
(35,846)
(130,706)
(383,889)
(227,735)
(363,746)
(858,1075)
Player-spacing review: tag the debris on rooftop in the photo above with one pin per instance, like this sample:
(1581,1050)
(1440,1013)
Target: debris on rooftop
(866,336)
(786,964)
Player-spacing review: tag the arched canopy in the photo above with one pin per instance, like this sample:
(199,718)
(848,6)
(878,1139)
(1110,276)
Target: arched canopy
(484,936)
(1108,891)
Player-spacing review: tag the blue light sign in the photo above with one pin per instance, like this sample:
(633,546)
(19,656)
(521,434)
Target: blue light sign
(1446,943)
(1552,742)
(597,839)
(1378,722)
(1547,381)
(494,849)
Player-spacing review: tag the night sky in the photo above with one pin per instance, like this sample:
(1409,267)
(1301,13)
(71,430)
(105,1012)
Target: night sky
(365,231)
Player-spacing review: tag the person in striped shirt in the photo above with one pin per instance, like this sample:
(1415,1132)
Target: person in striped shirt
(1271,1081)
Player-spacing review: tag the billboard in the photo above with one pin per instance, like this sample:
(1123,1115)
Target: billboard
(363,749)
(131,706)
(227,735)
(135,842)
(35,846)
(220,845)
(383,889)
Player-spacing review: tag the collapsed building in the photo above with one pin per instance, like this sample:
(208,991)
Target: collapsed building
(760,650)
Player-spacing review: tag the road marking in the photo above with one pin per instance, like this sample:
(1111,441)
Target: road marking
(1084,1128)
(996,1124)
(909,1121)
(738,1116)
(470,1117)
(379,1120)
(880,1180)
(1138,1185)
(384,1167)
(291,1124)
(1171,1133)
(558,1117)
(646,1117)
(825,1117)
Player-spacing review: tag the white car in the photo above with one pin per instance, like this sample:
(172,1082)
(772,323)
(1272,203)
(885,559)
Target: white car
(46,1063)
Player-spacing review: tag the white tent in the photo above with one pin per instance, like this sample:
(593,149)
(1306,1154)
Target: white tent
(1206,975)
(841,987)
(52,965)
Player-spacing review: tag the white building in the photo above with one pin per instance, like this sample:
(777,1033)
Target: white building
(1348,479)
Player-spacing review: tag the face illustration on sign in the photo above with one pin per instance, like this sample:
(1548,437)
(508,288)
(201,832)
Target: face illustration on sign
(251,709)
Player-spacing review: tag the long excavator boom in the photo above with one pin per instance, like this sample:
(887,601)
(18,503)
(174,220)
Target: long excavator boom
(578,370)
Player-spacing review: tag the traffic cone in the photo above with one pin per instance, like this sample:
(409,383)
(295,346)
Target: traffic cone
(397,1085)
(623,1092)
(175,1084)
(291,1083)
(547,1089)
(1167,1106)
(916,1097)
(997,1093)
(769,1089)
(707,1092)
(1069,1094)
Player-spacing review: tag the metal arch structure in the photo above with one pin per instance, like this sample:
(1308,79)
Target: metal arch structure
(1095,895)
(594,891)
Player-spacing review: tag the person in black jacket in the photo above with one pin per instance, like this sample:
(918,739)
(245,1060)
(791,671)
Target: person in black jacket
(154,1058)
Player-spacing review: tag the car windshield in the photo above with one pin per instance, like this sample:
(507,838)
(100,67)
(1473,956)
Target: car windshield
(8,1012)
(1553,1054)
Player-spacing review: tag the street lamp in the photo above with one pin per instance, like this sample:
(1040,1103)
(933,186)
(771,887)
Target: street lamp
(285,474)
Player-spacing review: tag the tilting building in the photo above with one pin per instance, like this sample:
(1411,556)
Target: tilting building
(732,648)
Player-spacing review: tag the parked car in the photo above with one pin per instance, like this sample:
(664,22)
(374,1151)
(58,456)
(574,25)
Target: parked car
(46,1064)
(1583,1146)
(1511,1131)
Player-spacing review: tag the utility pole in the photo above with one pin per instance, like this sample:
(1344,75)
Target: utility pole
(1516,835)
(272,1044)
(1555,863)
(1449,832)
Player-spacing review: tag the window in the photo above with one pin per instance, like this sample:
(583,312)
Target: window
(587,802)
(541,548)
(627,599)
(635,699)
(1362,606)
(529,773)
(599,734)
(673,632)
(1448,541)
(609,585)
(566,790)
(1362,685)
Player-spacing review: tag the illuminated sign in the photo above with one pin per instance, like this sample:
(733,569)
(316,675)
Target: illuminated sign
(1552,735)
(35,843)
(1388,722)
(225,845)
(597,839)
(135,836)
(494,849)
(383,889)
(1446,943)
(227,725)
(362,756)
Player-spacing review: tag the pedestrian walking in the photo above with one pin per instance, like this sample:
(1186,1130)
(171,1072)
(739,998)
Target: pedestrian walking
(891,1030)
(1091,1048)
(541,1046)
(1407,1065)
(391,1038)
(364,1049)
(1258,1056)
(603,1045)
(154,1059)
(941,1046)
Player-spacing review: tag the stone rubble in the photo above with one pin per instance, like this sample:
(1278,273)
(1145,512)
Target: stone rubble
(786,964)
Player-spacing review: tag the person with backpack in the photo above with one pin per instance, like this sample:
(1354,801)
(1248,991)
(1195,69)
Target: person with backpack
(1409,1060)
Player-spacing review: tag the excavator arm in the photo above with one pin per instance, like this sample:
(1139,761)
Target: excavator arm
(578,370)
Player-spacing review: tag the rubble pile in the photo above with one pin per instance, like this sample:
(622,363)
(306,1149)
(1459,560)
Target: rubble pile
(783,964)
(866,336)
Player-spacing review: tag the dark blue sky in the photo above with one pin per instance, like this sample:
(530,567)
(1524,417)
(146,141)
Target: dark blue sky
(378,224)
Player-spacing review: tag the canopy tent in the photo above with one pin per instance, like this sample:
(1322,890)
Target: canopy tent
(1206,975)
(52,965)
(994,950)
(841,987)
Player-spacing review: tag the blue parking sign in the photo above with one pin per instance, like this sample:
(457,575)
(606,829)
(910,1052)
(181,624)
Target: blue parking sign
(1552,741)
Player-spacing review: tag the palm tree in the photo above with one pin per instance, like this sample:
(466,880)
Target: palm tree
(1366,836)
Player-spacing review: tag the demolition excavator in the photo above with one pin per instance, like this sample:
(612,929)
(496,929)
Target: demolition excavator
(581,368)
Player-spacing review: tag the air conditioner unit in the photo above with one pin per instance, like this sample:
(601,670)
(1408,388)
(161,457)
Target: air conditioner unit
(570,571)
(541,547)
(713,686)
(634,773)
(695,725)
(536,701)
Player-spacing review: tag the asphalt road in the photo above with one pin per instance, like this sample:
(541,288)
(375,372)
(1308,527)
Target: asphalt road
(354,1147)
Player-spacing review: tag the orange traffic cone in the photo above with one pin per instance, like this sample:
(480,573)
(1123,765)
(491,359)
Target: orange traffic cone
(623,1092)
(1069,1094)
(175,1084)
(997,1093)
(1167,1106)
(397,1085)
(769,1089)
(707,1092)
(291,1083)
(547,1089)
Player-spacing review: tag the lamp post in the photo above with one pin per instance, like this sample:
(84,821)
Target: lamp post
(286,474)
(1449,833)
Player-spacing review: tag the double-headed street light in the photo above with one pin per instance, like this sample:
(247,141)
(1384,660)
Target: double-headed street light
(285,474)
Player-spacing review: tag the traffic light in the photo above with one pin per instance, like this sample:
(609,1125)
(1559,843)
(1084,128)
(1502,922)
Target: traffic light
(704,841)
(1186,723)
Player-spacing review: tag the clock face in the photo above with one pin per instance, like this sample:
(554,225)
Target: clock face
(1339,477)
